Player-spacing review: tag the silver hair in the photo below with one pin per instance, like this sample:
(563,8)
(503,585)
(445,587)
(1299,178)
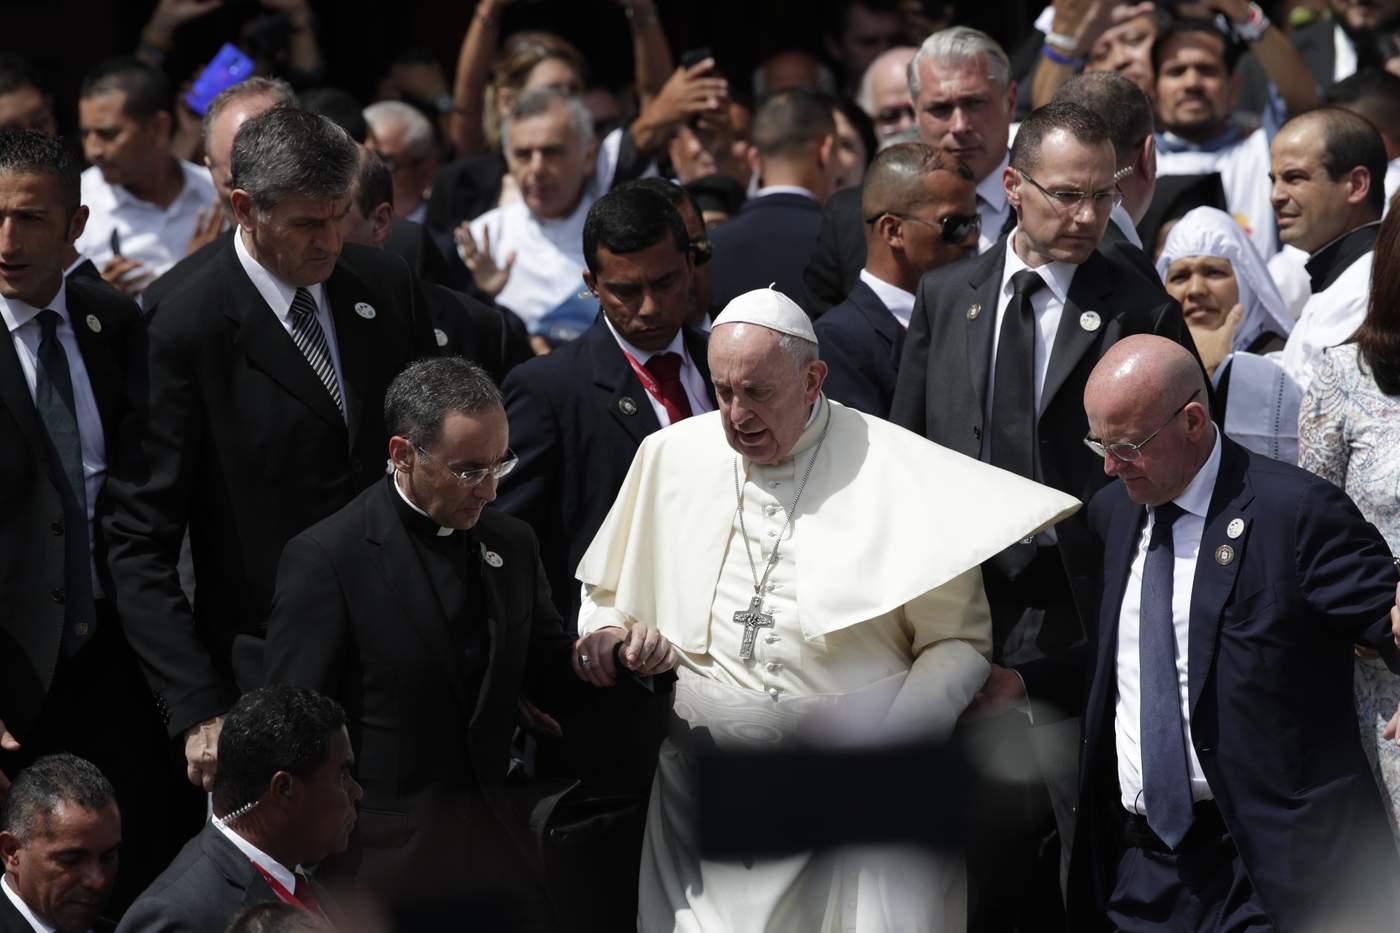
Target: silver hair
(798,349)
(961,46)
(278,90)
(541,100)
(288,152)
(385,115)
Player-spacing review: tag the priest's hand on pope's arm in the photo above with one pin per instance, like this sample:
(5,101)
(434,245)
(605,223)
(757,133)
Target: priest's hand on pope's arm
(644,651)
(1003,691)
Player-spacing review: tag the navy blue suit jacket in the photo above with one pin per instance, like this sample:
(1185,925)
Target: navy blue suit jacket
(1270,662)
(860,341)
(769,243)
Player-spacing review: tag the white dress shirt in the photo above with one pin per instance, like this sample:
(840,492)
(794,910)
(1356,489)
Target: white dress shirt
(23,908)
(784,189)
(1186,546)
(279,295)
(21,321)
(258,857)
(895,299)
(691,380)
(157,236)
(992,206)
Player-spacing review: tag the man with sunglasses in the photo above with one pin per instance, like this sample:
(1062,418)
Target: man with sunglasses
(920,213)
(994,365)
(1223,784)
(428,617)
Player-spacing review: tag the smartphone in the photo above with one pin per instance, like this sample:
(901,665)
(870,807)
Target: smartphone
(695,56)
(228,67)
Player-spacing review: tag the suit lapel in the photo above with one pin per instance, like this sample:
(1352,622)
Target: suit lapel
(881,321)
(1214,580)
(618,388)
(268,346)
(103,374)
(354,337)
(980,315)
(1087,292)
(14,395)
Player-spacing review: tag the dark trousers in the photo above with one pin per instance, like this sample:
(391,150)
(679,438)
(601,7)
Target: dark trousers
(100,708)
(1202,887)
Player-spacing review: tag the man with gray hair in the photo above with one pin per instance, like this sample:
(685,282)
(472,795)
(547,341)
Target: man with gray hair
(258,413)
(965,99)
(884,92)
(772,630)
(528,254)
(403,138)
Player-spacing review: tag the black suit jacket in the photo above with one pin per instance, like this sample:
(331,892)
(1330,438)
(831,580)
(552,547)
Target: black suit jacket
(834,268)
(355,617)
(577,417)
(769,243)
(1270,668)
(943,373)
(861,341)
(206,885)
(413,244)
(464,326)
(1117,248)
(180,273)
(236,438)
(11,921)
(32,490)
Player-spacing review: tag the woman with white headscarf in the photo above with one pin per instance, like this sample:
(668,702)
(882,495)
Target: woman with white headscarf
(1238,320)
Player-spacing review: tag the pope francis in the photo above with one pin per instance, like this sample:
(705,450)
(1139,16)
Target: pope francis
(817,571)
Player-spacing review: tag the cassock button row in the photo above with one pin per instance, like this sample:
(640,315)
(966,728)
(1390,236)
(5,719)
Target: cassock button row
(770,638)
(773,667)
(773,692)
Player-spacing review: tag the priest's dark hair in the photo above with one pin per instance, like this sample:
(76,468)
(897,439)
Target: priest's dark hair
(1379,336)
(421,397)
(629,219)
(272,729)
(48,783)
(25,152)
(1081,123)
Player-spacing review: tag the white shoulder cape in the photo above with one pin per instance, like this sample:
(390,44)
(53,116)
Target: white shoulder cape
(886,517)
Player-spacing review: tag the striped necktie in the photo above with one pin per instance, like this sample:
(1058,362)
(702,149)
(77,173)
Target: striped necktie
(311,341)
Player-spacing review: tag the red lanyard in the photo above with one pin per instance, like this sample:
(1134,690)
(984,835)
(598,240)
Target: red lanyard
(287,897)
(645,377)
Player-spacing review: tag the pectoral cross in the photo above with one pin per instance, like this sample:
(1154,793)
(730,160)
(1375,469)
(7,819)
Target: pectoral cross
(752,619)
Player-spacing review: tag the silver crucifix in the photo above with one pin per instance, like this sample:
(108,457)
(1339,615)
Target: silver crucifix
(752,619)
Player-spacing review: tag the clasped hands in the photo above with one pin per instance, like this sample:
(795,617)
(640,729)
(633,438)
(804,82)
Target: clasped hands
(644,651)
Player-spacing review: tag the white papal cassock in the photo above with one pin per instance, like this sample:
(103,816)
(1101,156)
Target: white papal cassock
(880,625)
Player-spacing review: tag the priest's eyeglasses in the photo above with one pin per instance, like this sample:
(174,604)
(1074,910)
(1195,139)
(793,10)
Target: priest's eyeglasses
(954,228)
(478,476)
(1105,200)
(1129,453)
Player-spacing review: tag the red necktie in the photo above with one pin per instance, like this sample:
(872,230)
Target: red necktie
(307,895)
(666,367)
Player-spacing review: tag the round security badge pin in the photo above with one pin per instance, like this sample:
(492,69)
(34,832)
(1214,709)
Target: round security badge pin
(440,336)
(365,310)
(491,557)
(1224,554)
(1235,528)
(94,324)
(1090,321)
(626,405)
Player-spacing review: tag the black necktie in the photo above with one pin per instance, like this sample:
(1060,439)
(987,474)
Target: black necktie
(1012,432)
(1166,773)
(53,398)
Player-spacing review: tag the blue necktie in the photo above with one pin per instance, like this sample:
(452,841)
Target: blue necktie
(1166,774)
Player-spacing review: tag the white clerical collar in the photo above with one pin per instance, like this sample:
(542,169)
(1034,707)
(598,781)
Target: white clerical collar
(895,299)
(1195,498)
(1057,275)
(784,189)
(991,189)
(277,293)
(1124,220)
(17,313)
(441,531)
(258,857)
(677,345)
(29,916)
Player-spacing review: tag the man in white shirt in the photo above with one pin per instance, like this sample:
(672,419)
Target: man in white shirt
(60,831)
(1328,192)
(285,797)
(920,213)
(148,208)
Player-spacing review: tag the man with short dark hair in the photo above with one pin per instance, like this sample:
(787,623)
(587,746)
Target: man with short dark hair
(770,242)
(702,282)
(858,31)
(25,104)
(1374,93)
(429,616)
(285,797)
(60,836)
(147,206)
(1328,193)
(920,213)
(259,395)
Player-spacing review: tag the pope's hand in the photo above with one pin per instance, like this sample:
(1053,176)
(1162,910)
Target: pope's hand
(644,651)
(1004,690)
(202,752)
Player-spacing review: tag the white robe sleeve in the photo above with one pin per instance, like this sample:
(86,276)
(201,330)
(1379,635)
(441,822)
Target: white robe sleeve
(596,611)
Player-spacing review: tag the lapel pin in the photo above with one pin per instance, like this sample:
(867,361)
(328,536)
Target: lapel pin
(491,557)
(972,311)
(1224,554)
(1090,321)
(365,310)
(1235,528)
(626,405)
(94,324)
(440,336)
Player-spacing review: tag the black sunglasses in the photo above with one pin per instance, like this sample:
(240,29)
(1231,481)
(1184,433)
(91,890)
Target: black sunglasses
(955,228)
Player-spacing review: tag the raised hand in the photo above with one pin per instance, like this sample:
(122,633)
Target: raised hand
(489,277)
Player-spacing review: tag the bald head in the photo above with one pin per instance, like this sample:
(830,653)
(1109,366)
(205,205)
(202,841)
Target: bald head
(911,192)
(1149,393)
(884,91)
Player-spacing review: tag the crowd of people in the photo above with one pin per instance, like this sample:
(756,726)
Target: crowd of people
(375,547)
